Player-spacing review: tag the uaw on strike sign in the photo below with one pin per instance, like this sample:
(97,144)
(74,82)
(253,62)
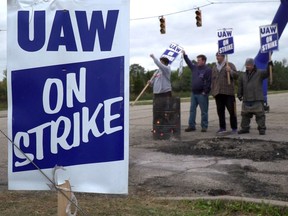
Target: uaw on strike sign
(172,52)
(225,41)
(68,75)
(269,38)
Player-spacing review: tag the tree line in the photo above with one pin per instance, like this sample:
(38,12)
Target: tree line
(139,78)
(180,84)
(3,92)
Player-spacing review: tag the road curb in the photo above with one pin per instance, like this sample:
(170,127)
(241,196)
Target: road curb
(231,198)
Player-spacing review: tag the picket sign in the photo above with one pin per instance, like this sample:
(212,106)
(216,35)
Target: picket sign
(226,45)
(68,94)
(172,52)
(269,42)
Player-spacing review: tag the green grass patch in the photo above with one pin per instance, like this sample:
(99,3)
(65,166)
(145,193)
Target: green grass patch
(45,203)
(3,105)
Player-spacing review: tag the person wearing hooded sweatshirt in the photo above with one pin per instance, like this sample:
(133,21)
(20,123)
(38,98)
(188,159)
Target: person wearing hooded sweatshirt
(250,91)
(161,79)
(201,86)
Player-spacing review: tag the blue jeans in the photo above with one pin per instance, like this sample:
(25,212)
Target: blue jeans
(203,102)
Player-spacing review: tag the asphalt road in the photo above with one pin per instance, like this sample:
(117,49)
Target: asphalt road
(161,174)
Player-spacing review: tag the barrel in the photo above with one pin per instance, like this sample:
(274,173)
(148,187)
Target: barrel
(166,118)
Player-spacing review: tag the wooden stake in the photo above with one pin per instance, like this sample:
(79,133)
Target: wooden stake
(228,73)
(270,69)
(148,83)
(62,200)
(132,104)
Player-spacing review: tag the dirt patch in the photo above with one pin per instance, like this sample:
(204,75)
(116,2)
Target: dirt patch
(256,150)
(259,171)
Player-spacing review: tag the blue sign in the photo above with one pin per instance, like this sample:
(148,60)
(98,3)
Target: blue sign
(225,41)
(69,113)
(68,104)
(269,38)
(172,52)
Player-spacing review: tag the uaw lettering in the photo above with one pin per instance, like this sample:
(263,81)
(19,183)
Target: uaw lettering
(269,38)
(225,41)
(62,30)
(68,109)
(172,52)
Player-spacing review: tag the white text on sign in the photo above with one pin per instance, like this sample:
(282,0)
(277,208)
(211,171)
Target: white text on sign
(83,122)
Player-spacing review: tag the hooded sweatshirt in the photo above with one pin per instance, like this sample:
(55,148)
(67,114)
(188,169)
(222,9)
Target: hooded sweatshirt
(161,81)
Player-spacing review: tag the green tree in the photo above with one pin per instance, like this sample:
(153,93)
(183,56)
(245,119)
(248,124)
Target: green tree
(137,78)
(279,76)
(3,90)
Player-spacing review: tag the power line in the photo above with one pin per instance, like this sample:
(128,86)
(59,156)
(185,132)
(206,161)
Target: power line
(205,5)
(242,2)
(177,12)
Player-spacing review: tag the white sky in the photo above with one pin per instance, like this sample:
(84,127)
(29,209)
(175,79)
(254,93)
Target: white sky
(145,37)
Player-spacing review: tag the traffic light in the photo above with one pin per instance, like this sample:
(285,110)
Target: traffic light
(198,18)
(162,25)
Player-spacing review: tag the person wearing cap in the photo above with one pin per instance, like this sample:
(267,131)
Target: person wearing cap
(224,92)
(201,86)
(250,91)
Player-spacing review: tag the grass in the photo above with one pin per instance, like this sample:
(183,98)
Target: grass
(45,203)
(3,105)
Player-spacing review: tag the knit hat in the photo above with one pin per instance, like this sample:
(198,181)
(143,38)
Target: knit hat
(220,54)
(249,61)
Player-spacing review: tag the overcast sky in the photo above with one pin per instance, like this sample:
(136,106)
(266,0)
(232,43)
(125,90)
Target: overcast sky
(145,38)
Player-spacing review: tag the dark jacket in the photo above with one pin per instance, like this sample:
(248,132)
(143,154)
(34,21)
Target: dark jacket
(201,77)
(250,85)
(220,84)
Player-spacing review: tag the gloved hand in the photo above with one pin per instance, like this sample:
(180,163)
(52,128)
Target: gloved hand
(240,98)
(270,63)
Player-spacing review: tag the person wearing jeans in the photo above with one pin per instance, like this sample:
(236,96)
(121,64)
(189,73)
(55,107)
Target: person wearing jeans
(201,86)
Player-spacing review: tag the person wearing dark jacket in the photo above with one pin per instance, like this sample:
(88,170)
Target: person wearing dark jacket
(250,91)
(201,86)
(224,92)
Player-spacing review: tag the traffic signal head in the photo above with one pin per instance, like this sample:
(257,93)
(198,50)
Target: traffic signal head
(198,18)
(162,25)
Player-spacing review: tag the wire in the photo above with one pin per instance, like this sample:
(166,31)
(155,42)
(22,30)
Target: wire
(169,14)
(244,2)
(205,5)
(38,168)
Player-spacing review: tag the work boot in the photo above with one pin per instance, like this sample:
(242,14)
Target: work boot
(243,131)
(261,132)
(204,130)
(189,129)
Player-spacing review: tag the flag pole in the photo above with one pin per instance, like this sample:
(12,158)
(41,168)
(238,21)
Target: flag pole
(148,83)
(270,69)
(228,73)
